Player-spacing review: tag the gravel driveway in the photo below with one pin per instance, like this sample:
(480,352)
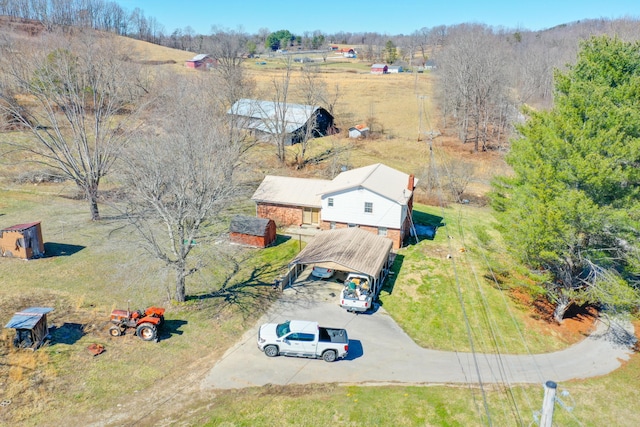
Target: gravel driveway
(381,353)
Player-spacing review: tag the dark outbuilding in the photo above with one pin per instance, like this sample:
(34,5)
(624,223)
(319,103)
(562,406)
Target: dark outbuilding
(252,231)
(31,327)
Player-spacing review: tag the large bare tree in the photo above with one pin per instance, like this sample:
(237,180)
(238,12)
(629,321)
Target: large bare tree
(180,179)
(78,99)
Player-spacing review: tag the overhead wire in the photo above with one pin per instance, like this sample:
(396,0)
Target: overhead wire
(465,316)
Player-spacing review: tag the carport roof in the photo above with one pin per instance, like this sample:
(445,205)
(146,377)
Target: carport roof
(352,248)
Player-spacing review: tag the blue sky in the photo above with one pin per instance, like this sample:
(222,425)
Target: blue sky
(390,17)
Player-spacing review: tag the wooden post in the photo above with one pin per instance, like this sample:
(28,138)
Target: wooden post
(546,420)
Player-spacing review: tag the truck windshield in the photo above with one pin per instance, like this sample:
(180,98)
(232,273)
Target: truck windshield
(282,329)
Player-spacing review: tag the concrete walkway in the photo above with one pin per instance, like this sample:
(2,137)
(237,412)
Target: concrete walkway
(381,353)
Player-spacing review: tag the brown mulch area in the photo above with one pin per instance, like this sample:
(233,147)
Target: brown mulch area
(578,322)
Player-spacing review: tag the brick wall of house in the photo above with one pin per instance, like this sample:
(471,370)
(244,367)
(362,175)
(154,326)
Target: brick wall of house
(282,215)
(394,234)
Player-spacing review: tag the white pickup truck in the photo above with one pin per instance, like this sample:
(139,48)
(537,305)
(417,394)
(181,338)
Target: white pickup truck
(302,338)
(357,294)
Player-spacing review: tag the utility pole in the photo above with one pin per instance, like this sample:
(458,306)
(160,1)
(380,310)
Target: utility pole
(546,420)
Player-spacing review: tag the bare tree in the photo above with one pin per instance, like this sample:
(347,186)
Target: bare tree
(229,49)
(83,102)
(179,182)
(474,85)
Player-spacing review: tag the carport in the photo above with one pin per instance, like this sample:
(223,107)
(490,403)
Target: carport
(346,249)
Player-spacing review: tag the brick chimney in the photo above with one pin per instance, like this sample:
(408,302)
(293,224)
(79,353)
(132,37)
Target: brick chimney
(410,184)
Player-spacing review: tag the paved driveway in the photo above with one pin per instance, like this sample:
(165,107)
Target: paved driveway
(381,353)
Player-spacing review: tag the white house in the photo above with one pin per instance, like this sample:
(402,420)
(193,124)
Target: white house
(375,198)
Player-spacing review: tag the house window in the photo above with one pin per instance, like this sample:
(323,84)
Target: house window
(368,207)
(332,225)
(330,201)
(382,231)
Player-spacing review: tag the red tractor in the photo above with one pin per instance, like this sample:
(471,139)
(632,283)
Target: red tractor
(146,323)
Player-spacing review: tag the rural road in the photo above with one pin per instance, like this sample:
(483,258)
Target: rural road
(381,353)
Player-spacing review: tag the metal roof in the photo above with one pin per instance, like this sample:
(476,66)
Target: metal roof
(199,57)
(267,114)
(250,225)
(27,318)
(379,178)
(290,191)
(352,248)
(20,227)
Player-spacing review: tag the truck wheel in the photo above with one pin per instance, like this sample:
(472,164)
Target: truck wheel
(146,332)
(115,331)
(329,356)
(271,351)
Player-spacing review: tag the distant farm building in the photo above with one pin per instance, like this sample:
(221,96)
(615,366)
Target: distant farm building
(31,327)
(201,62)
(379,69)
(430,65)
(395,69)
(22,241)
(252,231)
(359,131)
(267,118)
(348,52)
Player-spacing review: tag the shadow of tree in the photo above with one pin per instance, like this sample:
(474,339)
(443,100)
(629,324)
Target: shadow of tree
(247,295)
(52,249)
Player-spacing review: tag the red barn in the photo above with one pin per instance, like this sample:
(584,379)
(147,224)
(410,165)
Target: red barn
(252,231)
(22,241)
(200,62)
(379,69)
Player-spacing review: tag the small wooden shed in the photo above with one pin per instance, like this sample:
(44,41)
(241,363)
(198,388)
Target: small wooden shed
(22,241)
(252,231)
(359,131)
(31,327)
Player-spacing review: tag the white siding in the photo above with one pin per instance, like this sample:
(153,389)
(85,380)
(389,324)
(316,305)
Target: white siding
(348,207)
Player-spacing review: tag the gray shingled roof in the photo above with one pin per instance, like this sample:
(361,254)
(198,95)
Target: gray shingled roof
(249,225)
(352,248)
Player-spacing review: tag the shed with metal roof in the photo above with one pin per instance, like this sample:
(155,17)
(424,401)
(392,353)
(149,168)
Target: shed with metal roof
(31,327)
(268,118)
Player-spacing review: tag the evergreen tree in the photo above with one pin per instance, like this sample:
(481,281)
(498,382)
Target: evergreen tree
(572,207)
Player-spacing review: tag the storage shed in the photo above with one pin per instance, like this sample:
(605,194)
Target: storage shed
(22,241)
(359,131)
(252,231)
(31,327)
